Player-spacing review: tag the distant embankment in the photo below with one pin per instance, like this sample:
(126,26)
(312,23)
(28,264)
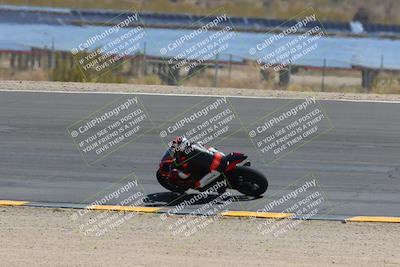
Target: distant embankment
(62,16)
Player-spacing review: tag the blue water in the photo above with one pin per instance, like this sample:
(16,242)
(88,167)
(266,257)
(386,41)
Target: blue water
(338,51)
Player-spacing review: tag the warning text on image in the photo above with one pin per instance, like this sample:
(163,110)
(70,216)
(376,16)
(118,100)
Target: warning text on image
(191,51)
(95,223)
(287,129)
(296,41)
(107,130)
(300,204)
(106,49)
(207,123)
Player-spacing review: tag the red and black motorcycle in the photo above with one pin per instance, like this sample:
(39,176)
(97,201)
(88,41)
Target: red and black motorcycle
(238,175)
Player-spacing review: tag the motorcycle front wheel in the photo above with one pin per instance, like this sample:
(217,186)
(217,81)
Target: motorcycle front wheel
(163,180)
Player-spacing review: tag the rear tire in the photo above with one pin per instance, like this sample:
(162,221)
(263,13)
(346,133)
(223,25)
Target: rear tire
(248,181)
(167,185)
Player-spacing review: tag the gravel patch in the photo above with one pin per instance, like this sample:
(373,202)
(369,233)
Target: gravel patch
(118,88)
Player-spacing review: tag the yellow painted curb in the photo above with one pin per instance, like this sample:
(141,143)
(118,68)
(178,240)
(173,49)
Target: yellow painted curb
(124,208)
(269,215)
(12,203)
(374,219)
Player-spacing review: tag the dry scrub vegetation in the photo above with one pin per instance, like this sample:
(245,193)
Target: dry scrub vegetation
(379,11)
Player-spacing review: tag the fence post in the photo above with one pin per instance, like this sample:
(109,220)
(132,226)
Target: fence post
(216,70)
(144,59)
(12,60)
(323,76)
(230,68)
(53,53)
(368,78)
(284,77)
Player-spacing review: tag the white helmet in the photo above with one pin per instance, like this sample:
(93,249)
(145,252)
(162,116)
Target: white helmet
(180,143)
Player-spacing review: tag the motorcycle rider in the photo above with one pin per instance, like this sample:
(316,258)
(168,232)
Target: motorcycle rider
(191,160)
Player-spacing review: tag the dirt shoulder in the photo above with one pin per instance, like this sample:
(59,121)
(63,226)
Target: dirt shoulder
(48,237)
(99,87)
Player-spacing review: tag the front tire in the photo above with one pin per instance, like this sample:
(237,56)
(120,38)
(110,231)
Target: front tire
(169,186)
(248,181)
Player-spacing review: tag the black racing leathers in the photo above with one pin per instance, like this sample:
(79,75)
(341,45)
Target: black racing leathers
(198,160)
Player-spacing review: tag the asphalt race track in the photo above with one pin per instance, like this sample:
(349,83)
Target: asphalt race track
(356,163)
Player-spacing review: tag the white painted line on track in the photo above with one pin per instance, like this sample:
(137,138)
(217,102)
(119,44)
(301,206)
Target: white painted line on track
(201,95)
